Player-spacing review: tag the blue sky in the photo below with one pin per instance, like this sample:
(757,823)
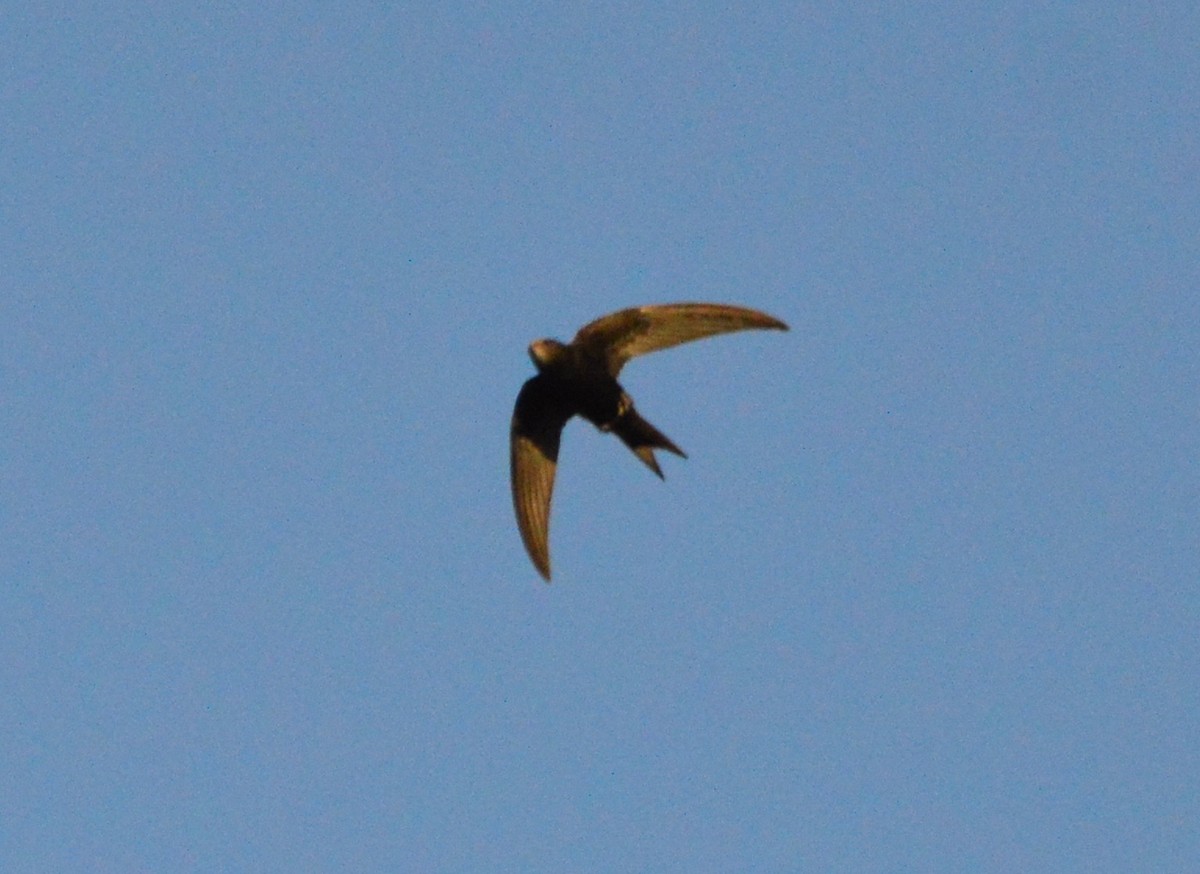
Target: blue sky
(922,598)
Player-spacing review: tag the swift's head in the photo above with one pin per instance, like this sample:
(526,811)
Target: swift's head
(546,353)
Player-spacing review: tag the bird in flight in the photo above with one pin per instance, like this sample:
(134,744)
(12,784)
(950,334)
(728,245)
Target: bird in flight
(580,379)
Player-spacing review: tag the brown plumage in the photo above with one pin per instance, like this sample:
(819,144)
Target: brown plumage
(580,378)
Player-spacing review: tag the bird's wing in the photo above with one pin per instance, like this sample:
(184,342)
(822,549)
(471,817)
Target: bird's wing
(625,334)
(537,424)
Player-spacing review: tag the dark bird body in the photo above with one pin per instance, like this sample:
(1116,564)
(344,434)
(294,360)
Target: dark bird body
(580,379)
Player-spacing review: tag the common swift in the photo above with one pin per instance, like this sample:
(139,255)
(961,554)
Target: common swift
(580,379)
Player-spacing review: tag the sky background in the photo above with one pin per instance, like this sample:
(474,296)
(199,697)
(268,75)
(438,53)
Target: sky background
(922,598)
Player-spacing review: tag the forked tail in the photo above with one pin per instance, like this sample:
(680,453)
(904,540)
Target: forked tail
(643,438)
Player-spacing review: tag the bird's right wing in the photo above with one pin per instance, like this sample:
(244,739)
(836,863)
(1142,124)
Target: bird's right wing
(625,334)
(537,423)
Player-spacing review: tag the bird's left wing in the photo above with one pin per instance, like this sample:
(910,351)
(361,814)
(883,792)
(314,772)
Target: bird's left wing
(537,423)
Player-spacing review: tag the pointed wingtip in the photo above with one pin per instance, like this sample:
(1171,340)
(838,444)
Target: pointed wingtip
(541,564)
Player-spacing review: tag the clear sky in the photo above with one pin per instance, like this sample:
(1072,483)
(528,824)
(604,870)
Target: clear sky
(924,596)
